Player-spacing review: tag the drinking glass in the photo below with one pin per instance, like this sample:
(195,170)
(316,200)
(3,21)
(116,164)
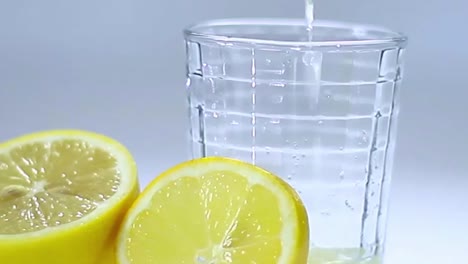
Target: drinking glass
(317,107)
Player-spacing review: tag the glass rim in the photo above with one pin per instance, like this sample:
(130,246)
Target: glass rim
(390,38)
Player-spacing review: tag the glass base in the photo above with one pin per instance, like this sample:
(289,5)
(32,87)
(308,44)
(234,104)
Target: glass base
(341,256)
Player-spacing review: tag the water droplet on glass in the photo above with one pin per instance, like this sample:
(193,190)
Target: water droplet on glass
(364,139)
(275,121)
(342,175)
(325,213)
(278,84)
(347,203)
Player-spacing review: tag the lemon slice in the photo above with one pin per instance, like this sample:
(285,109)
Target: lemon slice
(63,195)
(215,210)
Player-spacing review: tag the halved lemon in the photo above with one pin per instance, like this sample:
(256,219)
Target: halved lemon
(215,210)
(63,195)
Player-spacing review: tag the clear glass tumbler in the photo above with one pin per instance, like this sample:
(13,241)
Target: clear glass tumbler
(317,108)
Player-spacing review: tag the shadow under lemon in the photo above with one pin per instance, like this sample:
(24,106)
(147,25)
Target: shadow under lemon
(108,256)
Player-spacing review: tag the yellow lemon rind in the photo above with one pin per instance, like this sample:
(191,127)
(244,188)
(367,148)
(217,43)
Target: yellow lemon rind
(128,186)
(296,236)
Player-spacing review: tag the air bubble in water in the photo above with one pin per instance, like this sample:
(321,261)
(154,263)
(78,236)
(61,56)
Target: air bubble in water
(296,160)
(278,99)
(312,58)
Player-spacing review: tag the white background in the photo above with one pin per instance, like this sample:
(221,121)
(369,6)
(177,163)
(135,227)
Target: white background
(117,67)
